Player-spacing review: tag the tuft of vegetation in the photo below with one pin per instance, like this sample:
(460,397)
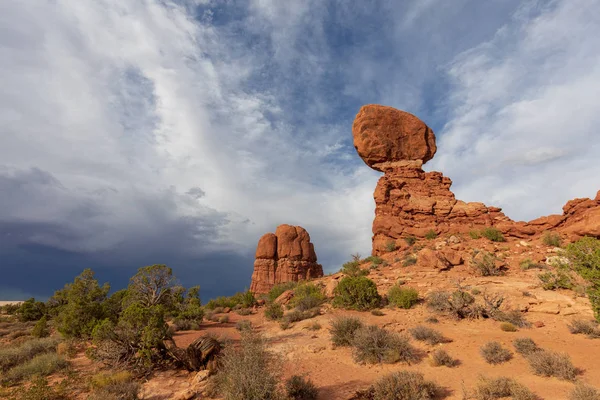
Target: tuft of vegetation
(299,388)
(243,325)
(343,329)
(432,320)
(492,234)
(274,311)
(279,288)
(297,315)
(427,334)
(353,269)
(377,313)
(314,326)
(402,385)
(41,365)
(402,297)
(508,327)
(494,353)
(359,293)
(498,388)
(440,357)
(528,264)
(552,239)
(390,246)
(431,234)
(410,240)
(40,390)
(549,363)
(458,304)
(409,260)
(486,265)
(30,310)
(556,280)
(244,311)
(525,346)
(244,299)
(585,327)
(224,319)
(11,356)
(475,291)
(581,391)
(307,296)
(584,258)
(40,330)
(114,386)
(372,344)
(249,371)
(475,234)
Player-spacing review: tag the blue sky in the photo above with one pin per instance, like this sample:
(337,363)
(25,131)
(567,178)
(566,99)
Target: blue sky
(135,132)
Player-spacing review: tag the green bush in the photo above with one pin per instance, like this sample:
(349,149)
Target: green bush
(343,329)
(508,327)
(402,297)
(528,264)
(307,296)
(584,257)
(431,234)
(114,386)
(42,364)
(40,390)
(279,288)
(493,234)
(274,311)
(409,260)
(372,344)
(352,268)
(40,330)
(558,280)
(30,310)
(405,385)
(475,234)
(300,388)
(359,293)
(552,239)
(410,240)
(390,246)
(244,299)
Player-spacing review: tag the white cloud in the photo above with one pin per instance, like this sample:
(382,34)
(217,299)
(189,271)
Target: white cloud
(523,112)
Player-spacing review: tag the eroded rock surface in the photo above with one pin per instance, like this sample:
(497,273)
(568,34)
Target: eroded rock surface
(284,256)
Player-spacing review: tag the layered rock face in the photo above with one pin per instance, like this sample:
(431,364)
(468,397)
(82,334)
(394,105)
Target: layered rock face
(410,201)
(285,256)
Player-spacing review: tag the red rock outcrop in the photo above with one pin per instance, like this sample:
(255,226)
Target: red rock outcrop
(410,201)
(285,256)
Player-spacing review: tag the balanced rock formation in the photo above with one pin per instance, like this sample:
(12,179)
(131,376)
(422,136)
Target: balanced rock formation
(412,202)
(285,256)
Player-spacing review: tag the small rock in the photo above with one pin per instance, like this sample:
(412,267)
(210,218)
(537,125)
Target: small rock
(227,310)
(546,308)
(454,239)
(539,324)
(185,395)
(568,311)
(524,243)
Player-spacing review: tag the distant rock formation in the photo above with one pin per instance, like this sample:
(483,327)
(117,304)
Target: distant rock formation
(410,201)
(285,256)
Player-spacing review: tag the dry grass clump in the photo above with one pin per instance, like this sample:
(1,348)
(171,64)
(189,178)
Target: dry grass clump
(372,344)
(508,327)
(486,265)
(224,319)
(498,388)
(377,313)
(274,311)
(14,355)
(299,388)
(114,386)
(494,353)
(525,346)
(42,364)
(243,325)
(427,334)
(313,326)
(582,391)
(585,327)
(550,363)
(440,357)
(343,329)
(40,390)
(405,385)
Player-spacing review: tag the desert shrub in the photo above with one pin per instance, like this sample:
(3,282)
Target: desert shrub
(549,363)
(374,260)
(405,385)
(114,386)
(299,388)
(492,234)
(279,288)
(314,326)
(486,265)
(359,293)
(459,304)
(40,330)
(307,296)
(185,325)
(40,390)
(352,268)
(556,280)
(508,327)
(585,327)
(224,319)
(243,299)
(402,297)
(513,317)
(343,329)
(474,234)
(244,311)
(584,258)
(552,239)
(494,353)
(432,320)
(42,364)
(274,311)
(243,325)
(528,264)
(582,391)
(372,344)
(11,356)
(427,334)
(498,388)
(249,371)
(390,246)
(475,291)
(377,313)
(30,310)
(409,260)
(410,240)
(525,346)
(431,234)
(67,348)
(440,357)
(285,324)
(297,315)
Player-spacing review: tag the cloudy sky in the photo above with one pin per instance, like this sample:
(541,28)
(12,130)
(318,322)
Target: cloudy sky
(135,132)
